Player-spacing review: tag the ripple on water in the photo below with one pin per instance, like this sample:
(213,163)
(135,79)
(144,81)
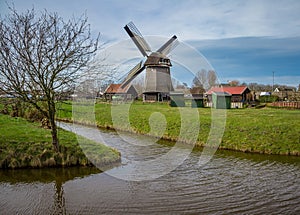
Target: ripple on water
(231,183)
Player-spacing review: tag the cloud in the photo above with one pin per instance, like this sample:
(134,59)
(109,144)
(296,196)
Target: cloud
(215,19)
(191,19)
(253,57)
(241,39)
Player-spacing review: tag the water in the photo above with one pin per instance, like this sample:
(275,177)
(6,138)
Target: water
(231,183)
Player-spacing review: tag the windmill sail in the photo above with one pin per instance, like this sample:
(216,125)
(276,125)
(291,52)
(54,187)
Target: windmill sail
(132,74)
(137,38)
(168,46)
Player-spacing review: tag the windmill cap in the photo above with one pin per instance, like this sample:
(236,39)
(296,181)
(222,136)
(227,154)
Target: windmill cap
(157,59)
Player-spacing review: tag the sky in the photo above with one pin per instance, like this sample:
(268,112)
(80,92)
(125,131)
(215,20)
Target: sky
(245,40)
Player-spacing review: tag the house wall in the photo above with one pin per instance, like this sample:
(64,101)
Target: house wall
(237,98)
(108,96)
(233,104)
(245,97)
(237,104)
(123,96)
(132,92)
(221,102)
(151,97)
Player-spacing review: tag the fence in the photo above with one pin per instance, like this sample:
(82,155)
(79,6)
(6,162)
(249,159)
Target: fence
(236,104)
(233,104)
(295,105)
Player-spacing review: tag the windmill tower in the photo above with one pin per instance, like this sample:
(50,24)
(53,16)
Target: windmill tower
(158,82)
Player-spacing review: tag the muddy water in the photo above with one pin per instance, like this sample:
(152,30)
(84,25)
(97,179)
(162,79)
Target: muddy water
(231,183)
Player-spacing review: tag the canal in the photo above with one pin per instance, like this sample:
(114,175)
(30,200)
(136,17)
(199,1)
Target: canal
(230,183)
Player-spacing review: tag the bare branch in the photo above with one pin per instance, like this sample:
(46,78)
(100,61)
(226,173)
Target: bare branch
(42,54)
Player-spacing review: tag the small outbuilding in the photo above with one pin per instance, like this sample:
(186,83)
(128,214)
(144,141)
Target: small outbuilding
(115,92)
(221,100)
(197,101)
(177,99)
(239,95)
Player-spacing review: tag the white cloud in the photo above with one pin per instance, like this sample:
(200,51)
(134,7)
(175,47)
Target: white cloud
(189,20)
(193,19)
(217,19)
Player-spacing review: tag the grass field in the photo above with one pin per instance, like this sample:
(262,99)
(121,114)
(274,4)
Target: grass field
(26,144)
(266,130)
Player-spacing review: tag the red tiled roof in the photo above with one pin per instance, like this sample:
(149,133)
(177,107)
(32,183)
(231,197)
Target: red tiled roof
(116,88)
(232,90)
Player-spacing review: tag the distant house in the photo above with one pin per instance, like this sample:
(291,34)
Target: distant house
(284,89)
(285,93)
(239,94)
(264,94)
(115,92)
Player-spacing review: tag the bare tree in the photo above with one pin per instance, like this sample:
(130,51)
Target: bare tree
(98,74)
(234,83)
(205,79)
(200,78)
(212,78)
(40,55)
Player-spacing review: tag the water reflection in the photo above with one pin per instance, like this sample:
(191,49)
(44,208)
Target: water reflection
(32,191)
(232,183)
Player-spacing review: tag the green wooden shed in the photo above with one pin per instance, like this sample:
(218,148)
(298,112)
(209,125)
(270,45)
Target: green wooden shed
(197,100)
(177,99)
(221,100)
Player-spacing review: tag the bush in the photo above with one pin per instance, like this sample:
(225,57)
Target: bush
(268,99)
(16,108)
(33,115)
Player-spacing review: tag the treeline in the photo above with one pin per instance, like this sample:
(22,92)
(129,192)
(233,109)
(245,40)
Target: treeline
(268,87)
(206,79)
(261,87)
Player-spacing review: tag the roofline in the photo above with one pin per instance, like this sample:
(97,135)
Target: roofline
(224,89)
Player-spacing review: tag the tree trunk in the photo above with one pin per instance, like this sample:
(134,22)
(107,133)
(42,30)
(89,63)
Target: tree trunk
(55,142)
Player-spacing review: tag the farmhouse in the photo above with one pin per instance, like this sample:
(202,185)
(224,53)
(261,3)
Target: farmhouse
(285,93)
(284,89)
(114,91)
(239,95)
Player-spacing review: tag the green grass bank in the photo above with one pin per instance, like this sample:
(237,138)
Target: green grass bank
(25,144)
(265,130)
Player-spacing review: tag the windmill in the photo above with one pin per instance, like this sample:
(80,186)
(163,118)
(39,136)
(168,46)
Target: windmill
(158,82)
